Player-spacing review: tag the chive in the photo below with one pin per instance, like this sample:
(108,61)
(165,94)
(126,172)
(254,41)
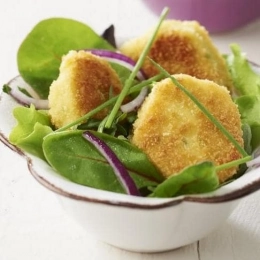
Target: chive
(233,163)
(138,65)
(101,126)
(109,102)
(204,110)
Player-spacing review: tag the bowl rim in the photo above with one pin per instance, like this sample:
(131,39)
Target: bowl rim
(123,200)
(208,198)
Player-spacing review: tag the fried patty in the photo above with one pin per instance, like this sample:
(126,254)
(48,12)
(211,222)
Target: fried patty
(84,82)
(174,133)
(181,47)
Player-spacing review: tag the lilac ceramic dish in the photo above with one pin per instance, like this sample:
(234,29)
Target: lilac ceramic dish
(215,15)
(129,222)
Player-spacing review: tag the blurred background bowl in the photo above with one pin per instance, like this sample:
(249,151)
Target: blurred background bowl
(215,15)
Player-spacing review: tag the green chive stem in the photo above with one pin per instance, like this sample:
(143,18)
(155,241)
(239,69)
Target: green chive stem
(109,102)
(233,163)
(204,110)
(137,67)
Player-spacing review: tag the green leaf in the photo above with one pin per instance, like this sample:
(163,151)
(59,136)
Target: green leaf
(247,91)
(249,107)
(246,81)
(6,89)
(255,142)
(247,137)
(78,160)
(122,72)
(247,88)
(32,126)
(39,55)
(199,178)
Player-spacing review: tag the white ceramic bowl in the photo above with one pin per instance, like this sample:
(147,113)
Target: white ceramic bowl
(134,223)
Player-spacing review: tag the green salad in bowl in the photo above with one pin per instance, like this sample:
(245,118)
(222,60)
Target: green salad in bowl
(149,144)
(161,115)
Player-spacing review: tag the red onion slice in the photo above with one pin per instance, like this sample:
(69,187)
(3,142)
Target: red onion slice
(119,169)
(118,58)
(22,98)
(135,103)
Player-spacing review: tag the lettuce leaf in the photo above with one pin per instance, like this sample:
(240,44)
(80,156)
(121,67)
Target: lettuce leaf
(32,126)
(245,79)
(247,91)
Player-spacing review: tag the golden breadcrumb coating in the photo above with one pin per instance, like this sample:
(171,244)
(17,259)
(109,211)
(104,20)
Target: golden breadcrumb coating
(174,132)
(181,47)
(84,82)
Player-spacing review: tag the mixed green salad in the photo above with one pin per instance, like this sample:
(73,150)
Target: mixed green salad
(97,153)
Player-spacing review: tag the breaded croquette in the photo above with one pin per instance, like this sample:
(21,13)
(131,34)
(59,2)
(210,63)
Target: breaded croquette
(175,133)
(84,82)
(181,47)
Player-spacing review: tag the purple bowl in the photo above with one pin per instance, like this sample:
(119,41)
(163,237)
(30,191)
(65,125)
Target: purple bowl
(215,15)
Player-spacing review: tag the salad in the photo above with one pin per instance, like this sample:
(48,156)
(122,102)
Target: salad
(85,104)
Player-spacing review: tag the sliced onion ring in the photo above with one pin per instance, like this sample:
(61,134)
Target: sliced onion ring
(119,169)
(118,58)
(135,103)
(23,99)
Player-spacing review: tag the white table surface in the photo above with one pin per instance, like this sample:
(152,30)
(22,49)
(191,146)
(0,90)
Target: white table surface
(32,223)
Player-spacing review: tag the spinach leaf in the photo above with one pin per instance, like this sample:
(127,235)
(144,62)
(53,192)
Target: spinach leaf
(39,55)
(122,72)
(199,178)
(32,126)
(78,160)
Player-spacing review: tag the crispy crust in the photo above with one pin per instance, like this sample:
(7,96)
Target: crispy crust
(182,47)
(84,83)
(174,132)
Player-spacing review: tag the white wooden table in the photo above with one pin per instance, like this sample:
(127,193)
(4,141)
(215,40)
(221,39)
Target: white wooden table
(32,223)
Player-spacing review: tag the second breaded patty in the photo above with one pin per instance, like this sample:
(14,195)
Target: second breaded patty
(181,47)
(84,82)
(175,133)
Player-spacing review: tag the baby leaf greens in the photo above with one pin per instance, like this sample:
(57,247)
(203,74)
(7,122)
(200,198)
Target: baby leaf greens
(39,56)
(118,167)
(196,179)
(246,81)
(247,85)
(32,126)
(78,160)
(83,161)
